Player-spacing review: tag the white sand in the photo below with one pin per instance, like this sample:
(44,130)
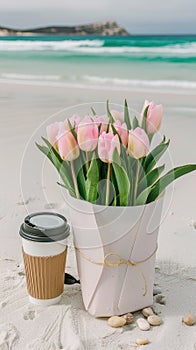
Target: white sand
(68,326)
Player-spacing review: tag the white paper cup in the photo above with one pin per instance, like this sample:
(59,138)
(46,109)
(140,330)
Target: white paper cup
(44,237)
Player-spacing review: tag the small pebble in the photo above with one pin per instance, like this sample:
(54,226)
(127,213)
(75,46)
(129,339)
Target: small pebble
(154,320)
(147,312)
(189,320)
(160,299)
(116,321)
(21,273)
(143,325)
(156,309)
(142,341)
(128,318)
(156,290)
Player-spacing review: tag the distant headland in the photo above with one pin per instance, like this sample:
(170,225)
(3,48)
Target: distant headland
(108,28)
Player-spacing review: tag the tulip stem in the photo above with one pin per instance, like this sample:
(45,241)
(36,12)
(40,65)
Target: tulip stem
(136,181)
(75,180)
(107,197)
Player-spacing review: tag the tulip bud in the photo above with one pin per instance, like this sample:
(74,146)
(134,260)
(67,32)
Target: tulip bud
(117,115)
(87,134)
(106,146)
(154,116)
(68,147)
(138,144)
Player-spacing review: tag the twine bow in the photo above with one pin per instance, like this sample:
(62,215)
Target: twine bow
(119,262)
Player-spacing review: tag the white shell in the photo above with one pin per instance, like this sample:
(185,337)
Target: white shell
(143,341)
(154,320)
(147,312)
(143,324)
(116,321)
(189,320)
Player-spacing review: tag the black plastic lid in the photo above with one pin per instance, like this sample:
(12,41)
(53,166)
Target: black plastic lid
(45,227)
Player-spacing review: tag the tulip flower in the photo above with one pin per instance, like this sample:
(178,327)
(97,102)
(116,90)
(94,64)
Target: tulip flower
(154,116)
(117,115)
(73,121)
(138,143)
(67,146)
(106,146)
(52,132)
(101,121)
(122,131)
(87,134)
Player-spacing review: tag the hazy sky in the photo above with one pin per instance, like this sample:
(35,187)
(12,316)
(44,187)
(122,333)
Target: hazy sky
(138,16)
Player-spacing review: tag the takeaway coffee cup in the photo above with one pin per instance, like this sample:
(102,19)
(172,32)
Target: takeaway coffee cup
(44,248)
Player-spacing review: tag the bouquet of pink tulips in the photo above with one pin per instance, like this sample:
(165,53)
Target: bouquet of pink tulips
(108,159)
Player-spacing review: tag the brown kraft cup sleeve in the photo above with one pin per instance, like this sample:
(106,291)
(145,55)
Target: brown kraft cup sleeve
(45,275)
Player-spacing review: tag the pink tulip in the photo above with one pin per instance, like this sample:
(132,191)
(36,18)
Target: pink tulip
(102,121)
(154,116)
(117,115)
(67,146)
(138,144)
(106,146)
(52,132)
(74,121)
(87,134)
(122,131)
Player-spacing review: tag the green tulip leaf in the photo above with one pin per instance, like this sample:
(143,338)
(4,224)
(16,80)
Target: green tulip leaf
(126,115)
(150,178)
(61,166)
(144,118)
(91,183)
(114,188)
(111,119)
(116,158)
(115,132)
(93,111)
(164,139)
(135,123)
(121,179)
(124,157)
(58,161)
(153,157)
(142,198)
(101,191)
(71,128)
(168,178)
(79,170)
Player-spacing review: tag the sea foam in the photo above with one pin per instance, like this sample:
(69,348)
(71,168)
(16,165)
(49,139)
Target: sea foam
(45,45)
(97,46)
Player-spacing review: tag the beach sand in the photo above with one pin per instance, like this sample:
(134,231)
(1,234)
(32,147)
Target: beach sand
(67,326)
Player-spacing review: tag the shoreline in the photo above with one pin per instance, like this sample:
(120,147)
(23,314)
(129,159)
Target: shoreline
(63,84)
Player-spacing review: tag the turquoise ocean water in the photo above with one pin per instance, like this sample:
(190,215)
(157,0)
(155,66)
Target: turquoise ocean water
(165,63)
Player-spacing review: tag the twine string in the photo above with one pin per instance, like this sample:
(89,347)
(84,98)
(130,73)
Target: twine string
(119,262)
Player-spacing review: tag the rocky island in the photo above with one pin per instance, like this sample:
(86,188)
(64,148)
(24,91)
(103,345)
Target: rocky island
(108,28)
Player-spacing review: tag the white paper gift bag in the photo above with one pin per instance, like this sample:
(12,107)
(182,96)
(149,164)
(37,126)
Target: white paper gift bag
(115,251)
